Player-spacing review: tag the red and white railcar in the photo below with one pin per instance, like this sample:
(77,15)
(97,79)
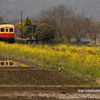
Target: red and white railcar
(7,32)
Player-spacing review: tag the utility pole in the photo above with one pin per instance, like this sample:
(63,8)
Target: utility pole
(21,24)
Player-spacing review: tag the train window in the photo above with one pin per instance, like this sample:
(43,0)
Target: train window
(6,30)
(2,63)
(2,29)
(10,63)
(11,29)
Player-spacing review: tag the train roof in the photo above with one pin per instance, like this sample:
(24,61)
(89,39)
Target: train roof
(6,25)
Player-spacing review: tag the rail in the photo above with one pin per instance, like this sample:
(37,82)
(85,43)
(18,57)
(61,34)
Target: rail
(25,41)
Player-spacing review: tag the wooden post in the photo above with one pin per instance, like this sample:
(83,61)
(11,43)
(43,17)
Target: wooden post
(21,25)
(97,40)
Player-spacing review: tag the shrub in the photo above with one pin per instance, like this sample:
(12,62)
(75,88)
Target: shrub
(45,32)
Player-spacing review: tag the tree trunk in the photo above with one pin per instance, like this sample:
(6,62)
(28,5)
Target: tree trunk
(96,39)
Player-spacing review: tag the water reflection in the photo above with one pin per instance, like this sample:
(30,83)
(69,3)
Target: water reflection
(7,63)
(10,63)
(16,64)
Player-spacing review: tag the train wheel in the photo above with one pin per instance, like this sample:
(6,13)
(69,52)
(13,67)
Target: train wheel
(1,39)
(12,40)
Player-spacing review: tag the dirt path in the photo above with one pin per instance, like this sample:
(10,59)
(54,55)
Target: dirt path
(29,95)
(49,93)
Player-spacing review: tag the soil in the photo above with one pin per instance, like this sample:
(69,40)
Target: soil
(39,77)
(24,98)
(39,98)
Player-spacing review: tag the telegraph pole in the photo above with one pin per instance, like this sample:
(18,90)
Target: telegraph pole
(21,24)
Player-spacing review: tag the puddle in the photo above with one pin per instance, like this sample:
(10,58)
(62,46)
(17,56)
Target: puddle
(17,64)
(10,63)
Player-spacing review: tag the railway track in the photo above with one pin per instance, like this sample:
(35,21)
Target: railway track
(25,41)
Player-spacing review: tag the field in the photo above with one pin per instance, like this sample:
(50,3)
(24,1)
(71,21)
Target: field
(82,60)
(55,72)
(36,74)
(31,76)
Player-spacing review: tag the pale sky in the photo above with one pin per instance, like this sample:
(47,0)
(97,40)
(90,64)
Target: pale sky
(11,8)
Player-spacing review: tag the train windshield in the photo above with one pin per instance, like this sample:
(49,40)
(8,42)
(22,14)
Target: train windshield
(11,29)
(2,29)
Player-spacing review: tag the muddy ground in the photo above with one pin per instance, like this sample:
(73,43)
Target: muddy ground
(33,98)
(47,93)
(40,98)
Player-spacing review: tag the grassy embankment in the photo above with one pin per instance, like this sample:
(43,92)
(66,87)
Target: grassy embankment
(79,59)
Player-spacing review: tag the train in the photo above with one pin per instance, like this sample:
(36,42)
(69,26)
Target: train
(7,32)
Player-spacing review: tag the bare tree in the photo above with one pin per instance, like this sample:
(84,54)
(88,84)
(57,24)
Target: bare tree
(56,16)
(67,23)
(77,26)
(80,26)
(95,30)
(35,20)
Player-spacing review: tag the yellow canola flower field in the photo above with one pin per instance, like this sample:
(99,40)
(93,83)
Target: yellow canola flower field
(84,60)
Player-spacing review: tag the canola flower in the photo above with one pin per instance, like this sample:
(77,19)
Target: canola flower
(84,60)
